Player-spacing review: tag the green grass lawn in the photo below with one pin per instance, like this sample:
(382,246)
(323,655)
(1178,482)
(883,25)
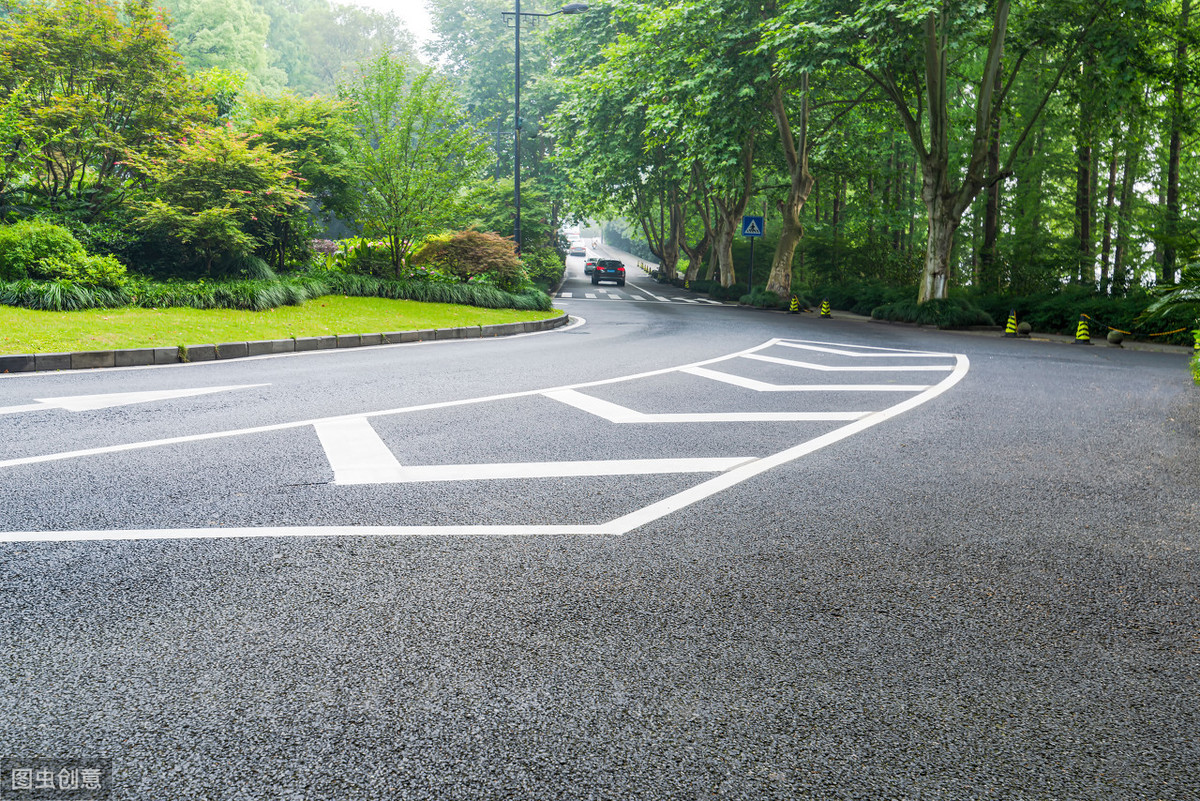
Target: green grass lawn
(27,331)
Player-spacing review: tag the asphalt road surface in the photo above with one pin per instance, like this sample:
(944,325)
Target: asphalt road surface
(676,550)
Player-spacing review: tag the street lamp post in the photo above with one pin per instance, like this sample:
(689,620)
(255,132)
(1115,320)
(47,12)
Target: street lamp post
(515,17)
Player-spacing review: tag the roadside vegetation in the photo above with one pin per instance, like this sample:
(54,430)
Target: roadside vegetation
(30,331)
(137,175)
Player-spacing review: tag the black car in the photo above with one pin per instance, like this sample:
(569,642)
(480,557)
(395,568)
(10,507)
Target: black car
(609,270)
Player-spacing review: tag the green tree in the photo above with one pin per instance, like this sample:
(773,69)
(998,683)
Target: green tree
(226,34)
(906,49)
(416,151)
(318,141)
(101,82)
(220,193)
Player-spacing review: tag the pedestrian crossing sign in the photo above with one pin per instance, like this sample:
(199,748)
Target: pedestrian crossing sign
(752,226)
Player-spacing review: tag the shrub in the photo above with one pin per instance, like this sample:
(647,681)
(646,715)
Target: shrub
(544,267)
(26,244)
(470,253)
(763,299)
(99,271)
(947,313)
(733,292)
(1196,358)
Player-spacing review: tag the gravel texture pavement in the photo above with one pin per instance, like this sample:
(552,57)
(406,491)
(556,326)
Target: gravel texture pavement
(994,595)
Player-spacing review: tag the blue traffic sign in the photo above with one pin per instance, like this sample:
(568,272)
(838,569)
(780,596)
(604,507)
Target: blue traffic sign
(752,226)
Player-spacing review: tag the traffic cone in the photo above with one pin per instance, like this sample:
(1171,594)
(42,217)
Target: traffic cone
(1081,331)
(687,284)
(825,308)
(1010,330)
(794,306)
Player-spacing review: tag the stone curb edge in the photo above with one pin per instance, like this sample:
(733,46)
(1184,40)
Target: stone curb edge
(184,354)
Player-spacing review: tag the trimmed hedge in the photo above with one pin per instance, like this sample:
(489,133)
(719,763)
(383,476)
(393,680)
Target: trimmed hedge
(67,295)
(948,313)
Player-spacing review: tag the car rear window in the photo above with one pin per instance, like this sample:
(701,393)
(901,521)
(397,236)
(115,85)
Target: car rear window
(609,263)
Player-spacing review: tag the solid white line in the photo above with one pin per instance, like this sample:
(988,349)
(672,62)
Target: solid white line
(899,354)
(685,300)
(796,342)
(620,414)
(356,453)
(29,407)
(85,403)
(633,520)
(237,532)
(763,386)
(851,369)
(523,470)
(237,432)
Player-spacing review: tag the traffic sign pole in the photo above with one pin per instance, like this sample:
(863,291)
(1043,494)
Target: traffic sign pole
(750,278)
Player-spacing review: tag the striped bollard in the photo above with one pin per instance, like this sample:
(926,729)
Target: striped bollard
(1081,331)
(1010,330)
(825,308)
(794,306)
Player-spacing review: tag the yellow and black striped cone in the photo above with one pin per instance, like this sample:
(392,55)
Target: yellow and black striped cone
(794,306)
(1081,331)
(1010,330)
(687,284)
(825,308)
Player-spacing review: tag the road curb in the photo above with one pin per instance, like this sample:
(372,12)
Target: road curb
(132,357)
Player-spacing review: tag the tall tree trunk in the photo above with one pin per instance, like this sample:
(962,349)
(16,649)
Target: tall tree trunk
(1133,150)
(1085,264)
(796,155)
(729,212)
(943,222)
(989,256)
(700,195)
(1109,197)
(1171,223)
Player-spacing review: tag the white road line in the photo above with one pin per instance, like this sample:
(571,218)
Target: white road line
(713,302)
(591,295)
(238,532)
(356,453)
(620,414)
(763,386)
(564,294)
(423,407)
(879,352)
(852,369)
(414,474)
(641,293)
(685,300)
(648,514)
(358,456)
(86,403)
(29,407)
